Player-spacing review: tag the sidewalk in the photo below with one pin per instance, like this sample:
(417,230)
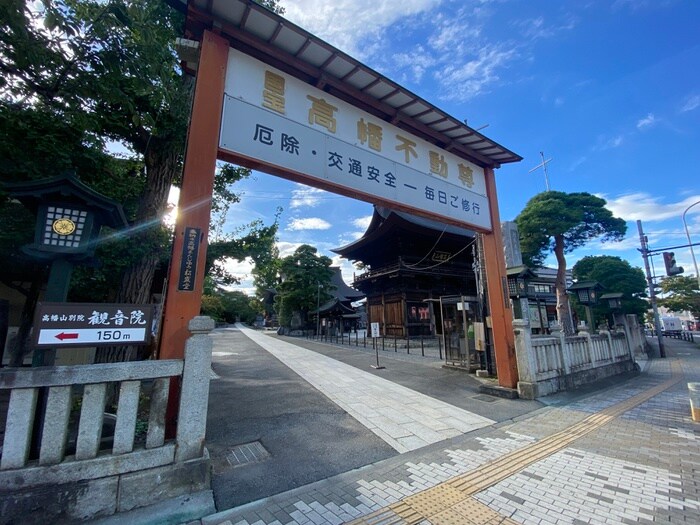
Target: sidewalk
(626,454)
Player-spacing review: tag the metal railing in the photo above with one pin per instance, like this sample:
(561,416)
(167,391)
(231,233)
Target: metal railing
(425,346)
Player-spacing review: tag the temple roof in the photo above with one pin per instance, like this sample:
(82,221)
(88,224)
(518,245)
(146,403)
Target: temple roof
(383,235)
(337,307)
(342,291)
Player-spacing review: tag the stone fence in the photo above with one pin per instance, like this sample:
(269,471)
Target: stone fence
(68,471)
(549,364)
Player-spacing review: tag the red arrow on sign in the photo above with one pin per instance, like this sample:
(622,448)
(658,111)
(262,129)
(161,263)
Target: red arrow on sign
(64,335)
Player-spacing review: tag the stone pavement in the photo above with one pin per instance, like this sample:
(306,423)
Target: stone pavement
(405,419)
(627,454)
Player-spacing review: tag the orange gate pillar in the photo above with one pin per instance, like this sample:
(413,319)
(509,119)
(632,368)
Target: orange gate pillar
(497,282)
(186,273)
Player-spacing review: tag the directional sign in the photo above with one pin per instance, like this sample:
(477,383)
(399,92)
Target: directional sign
(88,324)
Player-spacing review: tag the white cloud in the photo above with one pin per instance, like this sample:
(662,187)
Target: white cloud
(349,237)
(309,223)
(456,44)
(353,26)
(456,33)
(287,248)
(692,103)
(608,143)
(536,28)
(647,121)
(306,196)
(630,242)
(417,61)
(242,270)
(239,269)
(463,81)
(646,207)
(577,162)
(615,142)
(362,222)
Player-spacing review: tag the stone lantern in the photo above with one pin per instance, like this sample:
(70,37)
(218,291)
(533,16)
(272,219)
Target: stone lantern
(69,216)
(587,295)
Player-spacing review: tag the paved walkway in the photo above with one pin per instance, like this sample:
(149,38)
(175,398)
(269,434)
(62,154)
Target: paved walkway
(628,454)
(403,418)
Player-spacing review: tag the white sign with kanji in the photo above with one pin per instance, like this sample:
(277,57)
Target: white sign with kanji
(277,119)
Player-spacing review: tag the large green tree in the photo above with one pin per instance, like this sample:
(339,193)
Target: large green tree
(76,75)
(304,282)
(560,222)
(227,306)
(681,293)
(615,275)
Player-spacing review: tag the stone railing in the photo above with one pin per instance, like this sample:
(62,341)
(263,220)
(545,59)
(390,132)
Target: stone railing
(68,471)
(548,364)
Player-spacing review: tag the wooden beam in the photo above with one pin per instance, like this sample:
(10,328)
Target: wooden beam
(194,206)
(182,303)
(499,304)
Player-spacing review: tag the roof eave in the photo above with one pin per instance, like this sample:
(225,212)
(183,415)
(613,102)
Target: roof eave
(377,94)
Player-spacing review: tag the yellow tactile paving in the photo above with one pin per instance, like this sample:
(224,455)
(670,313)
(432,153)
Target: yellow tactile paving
(407,513)
(471,511)
(388,517)
(450,503)
(434,500)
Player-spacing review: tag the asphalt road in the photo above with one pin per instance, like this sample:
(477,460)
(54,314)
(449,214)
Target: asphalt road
(257,398)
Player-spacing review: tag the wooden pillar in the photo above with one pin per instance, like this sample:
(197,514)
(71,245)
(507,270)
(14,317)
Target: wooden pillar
(194,207)
(383,316)
(186,274)
(499,305)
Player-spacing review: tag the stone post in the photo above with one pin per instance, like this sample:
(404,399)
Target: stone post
(584,331)
(194,397)
(526,359)
(564,351)
(611,350)
(628,335)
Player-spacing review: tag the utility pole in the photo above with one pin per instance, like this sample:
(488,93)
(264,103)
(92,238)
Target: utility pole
(543,165)
(652,294)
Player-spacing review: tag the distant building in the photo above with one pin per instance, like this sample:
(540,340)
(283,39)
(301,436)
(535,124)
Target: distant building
(420,280)
(411,262)
(338,315)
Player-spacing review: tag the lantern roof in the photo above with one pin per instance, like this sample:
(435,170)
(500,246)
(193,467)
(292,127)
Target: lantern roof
(586,285)
(69,190)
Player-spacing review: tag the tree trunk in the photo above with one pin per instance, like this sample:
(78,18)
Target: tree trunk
(20,346)
(563,306)
(161,163)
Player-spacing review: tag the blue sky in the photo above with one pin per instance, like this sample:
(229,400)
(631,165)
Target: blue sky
(609,90)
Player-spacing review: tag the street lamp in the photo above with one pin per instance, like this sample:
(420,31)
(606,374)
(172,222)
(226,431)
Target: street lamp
(690,244)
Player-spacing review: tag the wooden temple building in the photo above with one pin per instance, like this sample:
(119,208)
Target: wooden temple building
(419,278)
(337,315)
